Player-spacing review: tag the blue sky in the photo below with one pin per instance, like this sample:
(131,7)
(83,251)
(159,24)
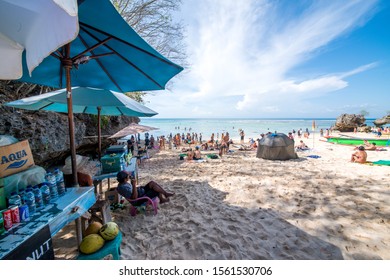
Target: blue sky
(259,58)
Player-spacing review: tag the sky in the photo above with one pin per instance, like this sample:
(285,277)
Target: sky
(281,58)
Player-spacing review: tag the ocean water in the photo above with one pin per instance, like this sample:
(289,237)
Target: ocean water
(252,127)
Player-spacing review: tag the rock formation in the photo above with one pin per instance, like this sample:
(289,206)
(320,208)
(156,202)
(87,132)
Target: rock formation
(47,132)
(382,121)
(348,122)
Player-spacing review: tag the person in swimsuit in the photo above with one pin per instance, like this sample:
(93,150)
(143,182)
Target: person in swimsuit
(359,156)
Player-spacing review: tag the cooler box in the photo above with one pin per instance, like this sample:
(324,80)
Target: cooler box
(112,163)
(116,149)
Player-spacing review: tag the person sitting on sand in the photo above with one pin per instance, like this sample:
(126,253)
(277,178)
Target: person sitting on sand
(360,155)
(302,146)
(129,190)
(190,154)
(197,154)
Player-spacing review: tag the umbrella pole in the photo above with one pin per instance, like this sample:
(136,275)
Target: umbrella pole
(67,63)
(99,134)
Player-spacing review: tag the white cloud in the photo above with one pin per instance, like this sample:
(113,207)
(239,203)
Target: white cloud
(243,50)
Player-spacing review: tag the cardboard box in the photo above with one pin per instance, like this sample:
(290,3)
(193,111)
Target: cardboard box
(15,158)
(112,196)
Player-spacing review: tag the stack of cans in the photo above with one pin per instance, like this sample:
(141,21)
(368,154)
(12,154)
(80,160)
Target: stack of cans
(12,216)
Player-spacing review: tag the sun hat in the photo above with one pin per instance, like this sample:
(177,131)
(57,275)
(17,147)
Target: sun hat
(122,175)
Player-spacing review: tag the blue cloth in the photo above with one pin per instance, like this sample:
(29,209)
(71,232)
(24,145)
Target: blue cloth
(313,156)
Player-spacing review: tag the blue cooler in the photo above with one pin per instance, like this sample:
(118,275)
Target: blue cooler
(112,162)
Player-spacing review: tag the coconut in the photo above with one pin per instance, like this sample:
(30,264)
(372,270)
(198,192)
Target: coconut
(109,231)
(91,243)
(93,227)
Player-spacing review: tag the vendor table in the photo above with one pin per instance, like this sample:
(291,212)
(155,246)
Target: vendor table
(131,168)
(53,217)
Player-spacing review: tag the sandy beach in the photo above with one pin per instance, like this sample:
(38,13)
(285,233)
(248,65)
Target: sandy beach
(241,207)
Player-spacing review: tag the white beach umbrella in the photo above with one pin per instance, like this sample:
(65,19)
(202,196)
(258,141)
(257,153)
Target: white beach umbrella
(37,26)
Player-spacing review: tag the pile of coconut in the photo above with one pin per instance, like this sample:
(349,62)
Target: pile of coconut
(96,235)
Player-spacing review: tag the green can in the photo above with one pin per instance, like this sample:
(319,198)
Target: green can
(2,229)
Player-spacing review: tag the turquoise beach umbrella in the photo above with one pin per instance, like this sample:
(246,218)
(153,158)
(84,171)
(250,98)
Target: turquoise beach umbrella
(88,101)
(107,53)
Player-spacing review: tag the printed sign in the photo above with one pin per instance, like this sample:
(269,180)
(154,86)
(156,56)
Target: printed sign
(15,158)
(38,247)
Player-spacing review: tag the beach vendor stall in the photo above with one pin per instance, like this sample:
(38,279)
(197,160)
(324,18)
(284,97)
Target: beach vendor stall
(35,205)
(115,159)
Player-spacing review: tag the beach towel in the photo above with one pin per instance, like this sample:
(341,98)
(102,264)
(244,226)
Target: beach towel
(381,162)
(313,156)
(212,156)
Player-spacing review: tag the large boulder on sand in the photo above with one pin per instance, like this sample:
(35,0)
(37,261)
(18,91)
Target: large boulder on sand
(348,122)
(382,121)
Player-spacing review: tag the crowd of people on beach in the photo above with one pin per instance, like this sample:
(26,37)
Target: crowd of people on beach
(193,143)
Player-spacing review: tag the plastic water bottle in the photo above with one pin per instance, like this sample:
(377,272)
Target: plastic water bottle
(38,197)
(59,181)
(22,193)
(51,182)
(14,199)
(30,200)
(45,190)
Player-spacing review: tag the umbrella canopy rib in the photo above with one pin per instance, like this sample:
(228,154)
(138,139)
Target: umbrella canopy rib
(43,107)
(127,43)
(136,67)
(90,49)
(101,65)
(124,58)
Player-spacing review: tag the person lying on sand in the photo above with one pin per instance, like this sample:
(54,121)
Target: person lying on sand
(360,155)
(368,146)
(302,146)
(131,191)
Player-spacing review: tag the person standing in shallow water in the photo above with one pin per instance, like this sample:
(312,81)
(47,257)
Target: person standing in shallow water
(242,135)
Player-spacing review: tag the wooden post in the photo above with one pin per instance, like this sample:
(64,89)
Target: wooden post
(99,133)
(67,64)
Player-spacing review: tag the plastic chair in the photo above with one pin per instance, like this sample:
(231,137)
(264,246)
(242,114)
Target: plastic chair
(112,247)
(140,204)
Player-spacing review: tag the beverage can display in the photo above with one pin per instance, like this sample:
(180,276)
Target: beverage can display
(24,213)
(7,217)
(15,214)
